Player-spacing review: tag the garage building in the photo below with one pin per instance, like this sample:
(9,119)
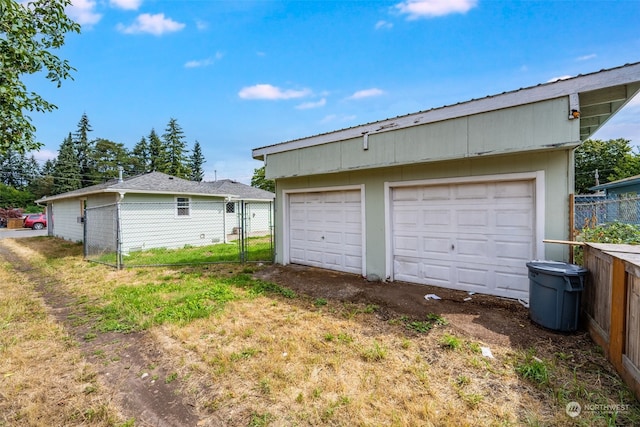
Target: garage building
(460,196)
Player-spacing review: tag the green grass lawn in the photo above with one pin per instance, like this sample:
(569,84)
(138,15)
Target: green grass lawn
(258,249)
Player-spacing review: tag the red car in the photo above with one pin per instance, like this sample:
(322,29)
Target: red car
(35,221)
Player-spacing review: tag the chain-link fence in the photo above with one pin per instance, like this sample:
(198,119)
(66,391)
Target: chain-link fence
(589,213)
(131,234)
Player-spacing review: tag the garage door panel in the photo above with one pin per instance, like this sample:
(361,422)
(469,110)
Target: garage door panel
(471,191)
(472,218)
(436,217)
(514,218)
(435,193)
(474,277)
(325,230)
(512,284)
(353,239)
(514,189)
(513,250)
(481,247)
(436,273)
(471,236)
(436,245)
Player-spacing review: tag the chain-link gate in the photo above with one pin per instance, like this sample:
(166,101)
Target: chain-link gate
(130,234)
(589,214)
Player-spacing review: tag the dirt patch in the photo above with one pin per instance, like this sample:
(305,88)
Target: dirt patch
(490,319)
(127,363)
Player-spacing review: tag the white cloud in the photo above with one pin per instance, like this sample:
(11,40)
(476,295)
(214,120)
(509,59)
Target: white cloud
(83,12)
(555,79)
(196,63)
(310,105)
(416,9)
(367,93)
(587,57)
(125,4)
(383,25)
(153,24)
(42,156)
(267,91)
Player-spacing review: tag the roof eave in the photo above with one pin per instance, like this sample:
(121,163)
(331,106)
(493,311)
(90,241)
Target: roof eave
(622,75)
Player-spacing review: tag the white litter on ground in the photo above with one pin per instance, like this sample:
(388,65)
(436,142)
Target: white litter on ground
(486,352)
(431,296)
(468,299)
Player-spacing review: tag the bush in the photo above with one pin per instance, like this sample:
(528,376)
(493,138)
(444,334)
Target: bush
(615,232)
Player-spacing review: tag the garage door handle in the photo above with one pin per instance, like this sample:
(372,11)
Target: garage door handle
(452,247)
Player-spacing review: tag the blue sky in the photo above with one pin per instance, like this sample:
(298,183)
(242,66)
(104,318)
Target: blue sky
(238,75)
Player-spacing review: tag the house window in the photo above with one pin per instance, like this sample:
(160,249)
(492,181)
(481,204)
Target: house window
(182,206)
(231,207)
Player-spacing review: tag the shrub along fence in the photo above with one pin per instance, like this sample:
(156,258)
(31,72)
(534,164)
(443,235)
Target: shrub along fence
(152,234)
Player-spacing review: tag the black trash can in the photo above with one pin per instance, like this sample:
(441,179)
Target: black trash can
(555,289)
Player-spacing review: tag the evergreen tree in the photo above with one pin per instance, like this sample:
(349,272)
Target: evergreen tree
(107,157)
(157,153)
(83,149)
(32,171)
(43,184)
(13,169)
(195,163)
(66,172)
(175,146)
(140,161)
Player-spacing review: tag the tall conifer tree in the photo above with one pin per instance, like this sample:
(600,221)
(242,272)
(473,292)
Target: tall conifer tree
(84,148)
(175,146)
(157,153)
(66,172)
(196,161)
(139,163)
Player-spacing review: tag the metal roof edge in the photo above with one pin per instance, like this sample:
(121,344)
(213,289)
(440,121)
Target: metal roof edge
(624,74)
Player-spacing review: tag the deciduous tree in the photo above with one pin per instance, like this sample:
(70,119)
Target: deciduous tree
(29,33)
(613,159)
(259,181)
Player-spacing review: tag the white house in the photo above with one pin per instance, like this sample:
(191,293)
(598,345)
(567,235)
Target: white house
(156,210)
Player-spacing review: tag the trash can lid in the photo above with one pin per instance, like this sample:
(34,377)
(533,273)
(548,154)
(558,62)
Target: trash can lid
(556,268)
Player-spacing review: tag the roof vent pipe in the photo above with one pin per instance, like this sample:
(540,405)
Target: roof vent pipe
(120,169)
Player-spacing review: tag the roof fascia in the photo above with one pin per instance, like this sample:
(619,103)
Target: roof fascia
(126,191)
(584,83)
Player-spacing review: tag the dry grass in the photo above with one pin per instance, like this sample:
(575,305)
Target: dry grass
(268,360)
(44,380)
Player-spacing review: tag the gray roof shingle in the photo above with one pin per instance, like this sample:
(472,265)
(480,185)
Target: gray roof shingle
(160,183)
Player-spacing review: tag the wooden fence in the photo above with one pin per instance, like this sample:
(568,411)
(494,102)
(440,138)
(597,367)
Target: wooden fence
(611,304)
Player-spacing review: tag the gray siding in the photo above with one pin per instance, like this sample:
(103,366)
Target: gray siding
(526,128)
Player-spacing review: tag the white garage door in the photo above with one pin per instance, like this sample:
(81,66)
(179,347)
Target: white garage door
(472,236)
(325,230)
